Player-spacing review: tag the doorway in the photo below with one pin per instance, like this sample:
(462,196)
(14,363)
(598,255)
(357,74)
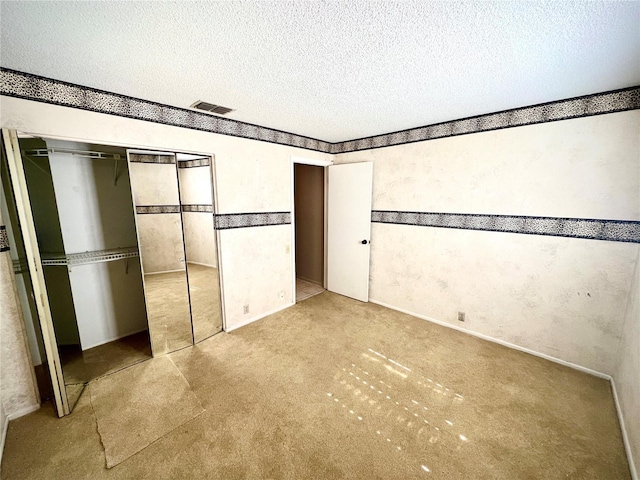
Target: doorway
(309,196)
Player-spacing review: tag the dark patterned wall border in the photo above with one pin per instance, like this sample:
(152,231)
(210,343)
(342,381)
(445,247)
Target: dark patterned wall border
(242,220)
(586,106)
(201,162)
(47,90)
(154,209)
(4,239)
(147,158)
(42,89)
(197,208)
(611,230)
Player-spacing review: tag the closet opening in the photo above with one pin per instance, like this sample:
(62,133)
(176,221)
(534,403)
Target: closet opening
(115,255)
(80,199)
(309,228)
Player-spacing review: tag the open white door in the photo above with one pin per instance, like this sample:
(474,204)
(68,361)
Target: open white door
(349,229)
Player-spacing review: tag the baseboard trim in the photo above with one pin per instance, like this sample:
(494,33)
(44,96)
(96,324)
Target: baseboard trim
(259,317)
(109,340)
(202,264)
(20,413)
(496,340)
(5,427)
(625,437)
(23,411)
(164,271)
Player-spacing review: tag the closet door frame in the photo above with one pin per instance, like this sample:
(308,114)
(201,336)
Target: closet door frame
(34,261)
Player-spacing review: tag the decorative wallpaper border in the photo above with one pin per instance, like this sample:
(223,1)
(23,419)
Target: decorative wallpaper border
(585,106)
(148,158)
(593,229)
(42,89)
(197,208)
(227,221)
(47,90)
(200,162)
(154,209)
(4,239)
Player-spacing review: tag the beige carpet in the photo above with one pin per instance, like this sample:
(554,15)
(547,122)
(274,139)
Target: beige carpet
(137,406)
(167,301)
(204,290)
(273,393)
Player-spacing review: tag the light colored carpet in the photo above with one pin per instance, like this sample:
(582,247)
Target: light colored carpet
(168,313)
(137,406)
(274,391)
(204,290)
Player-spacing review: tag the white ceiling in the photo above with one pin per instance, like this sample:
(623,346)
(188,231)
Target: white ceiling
(331,70)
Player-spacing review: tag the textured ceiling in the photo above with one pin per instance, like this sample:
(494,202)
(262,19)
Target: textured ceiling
(331,70)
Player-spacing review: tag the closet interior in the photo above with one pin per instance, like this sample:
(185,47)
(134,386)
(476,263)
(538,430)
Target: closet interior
(128,250)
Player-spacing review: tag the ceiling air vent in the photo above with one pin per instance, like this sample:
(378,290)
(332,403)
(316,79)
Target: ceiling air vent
(211,108)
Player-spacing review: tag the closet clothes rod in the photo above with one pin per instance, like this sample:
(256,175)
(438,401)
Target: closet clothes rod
(44,152)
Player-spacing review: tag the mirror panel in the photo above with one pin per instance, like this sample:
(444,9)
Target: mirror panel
(154,184)
(195,176)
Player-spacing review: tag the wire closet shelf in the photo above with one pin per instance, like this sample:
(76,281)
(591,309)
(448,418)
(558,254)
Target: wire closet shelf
(84,258)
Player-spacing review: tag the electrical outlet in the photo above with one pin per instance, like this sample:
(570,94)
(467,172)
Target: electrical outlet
(287,249)
(461,316)
(246,309)
(281,294)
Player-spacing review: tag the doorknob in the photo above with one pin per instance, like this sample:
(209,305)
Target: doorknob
(364,242)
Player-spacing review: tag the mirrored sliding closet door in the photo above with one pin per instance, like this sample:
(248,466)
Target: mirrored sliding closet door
(156,198)
(195,175)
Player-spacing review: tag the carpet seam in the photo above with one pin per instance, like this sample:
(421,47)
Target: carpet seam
(95,417)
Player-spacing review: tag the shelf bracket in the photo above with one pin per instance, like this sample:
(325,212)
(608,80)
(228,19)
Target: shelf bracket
(115,171)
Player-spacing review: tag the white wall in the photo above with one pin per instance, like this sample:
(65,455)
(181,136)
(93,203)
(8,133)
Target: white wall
(18,394)
(195,185)
(200,238)
(627,373)
(159,235)
(154,183)
(94,213)
(199,235)
(161,243)
(562,297)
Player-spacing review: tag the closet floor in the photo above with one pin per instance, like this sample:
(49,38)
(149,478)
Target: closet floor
(82,367)
(305,289)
